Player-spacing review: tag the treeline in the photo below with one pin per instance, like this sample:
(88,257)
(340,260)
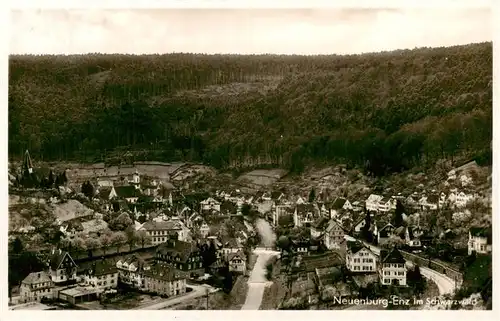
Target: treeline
(385,111)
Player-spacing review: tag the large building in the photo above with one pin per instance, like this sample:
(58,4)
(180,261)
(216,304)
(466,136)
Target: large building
(183,256)
(392,270)
(164,280)
(36,286)
(359,258)
(480,239)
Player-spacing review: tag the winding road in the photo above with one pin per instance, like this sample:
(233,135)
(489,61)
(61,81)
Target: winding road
(258,281)
(444,283)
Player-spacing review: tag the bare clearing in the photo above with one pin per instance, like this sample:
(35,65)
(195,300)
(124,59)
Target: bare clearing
(262,177)
(70,210)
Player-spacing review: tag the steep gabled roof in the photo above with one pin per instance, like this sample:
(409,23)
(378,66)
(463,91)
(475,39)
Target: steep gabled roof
(237,254)
(128,191)
(37,277)
(305,208)
(57,258)
(181,249)
(164,272)
(320,223)
(104,192)
(354,246)
(392,256)
(171,225)
(482,232)
(338,203)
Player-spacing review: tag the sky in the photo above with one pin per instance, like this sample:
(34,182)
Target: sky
(244,31)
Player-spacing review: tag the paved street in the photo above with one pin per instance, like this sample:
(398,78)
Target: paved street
(198,291)
(258,281)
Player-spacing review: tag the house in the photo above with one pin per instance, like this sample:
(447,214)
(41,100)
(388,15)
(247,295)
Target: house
(164,280)
(276,196)
(106,193)
(104,183)
(480,240)
(412,240)
(359,258)
(160,231)
(301,245)
(385,232)
(372,202)
(183,256)
(281,210)
(339,204)
(62,267)
(319,226)
(102,274)
(210,204)
(204,229)
(237,262)
(412,201)
(323,209)
(358,226)
(304,215)
(300,201)
(462,199)
(406,234)
(392,270)
(36,286)
(130,271)
(385,204)
(357,206)
(230,245)
(129,193)
(334,235)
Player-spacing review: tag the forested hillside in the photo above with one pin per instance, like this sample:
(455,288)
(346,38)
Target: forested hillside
(383,111)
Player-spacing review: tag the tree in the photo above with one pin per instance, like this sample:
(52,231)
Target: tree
(132,237)
(88,189)
(142,219)
(143,238)
(208,254)
(118,239)
(17,245)
(398,214)
(121,222)
(366,234)
(312,195)
(92,244)
(105,240)
(246,209)
(416,280)
(51,179)
(79,244)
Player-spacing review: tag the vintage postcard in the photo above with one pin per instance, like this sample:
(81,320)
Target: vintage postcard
(250,159)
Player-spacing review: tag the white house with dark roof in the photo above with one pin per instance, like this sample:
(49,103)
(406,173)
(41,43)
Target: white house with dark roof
(101,274)
(128,192)
(334,235)
(304,215)
(36,286)
(480,240)
(62,267)
(237,262)
(130,271)
(161,231)
(392,270)
(372,202)
(359,258)
(210,204)
(385,204)
(339,204)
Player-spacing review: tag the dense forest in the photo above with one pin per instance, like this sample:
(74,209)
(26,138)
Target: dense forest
(384,111)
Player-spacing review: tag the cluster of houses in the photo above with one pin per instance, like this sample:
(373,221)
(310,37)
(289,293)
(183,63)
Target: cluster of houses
(166,273)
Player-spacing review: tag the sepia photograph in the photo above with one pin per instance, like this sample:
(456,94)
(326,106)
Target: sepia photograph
(250,159)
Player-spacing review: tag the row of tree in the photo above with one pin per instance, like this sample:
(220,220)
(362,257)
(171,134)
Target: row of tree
(384,112)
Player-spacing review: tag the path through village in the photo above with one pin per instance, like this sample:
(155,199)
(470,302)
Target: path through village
(258,281)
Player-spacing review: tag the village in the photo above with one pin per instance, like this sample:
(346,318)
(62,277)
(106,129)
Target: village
(122,233)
